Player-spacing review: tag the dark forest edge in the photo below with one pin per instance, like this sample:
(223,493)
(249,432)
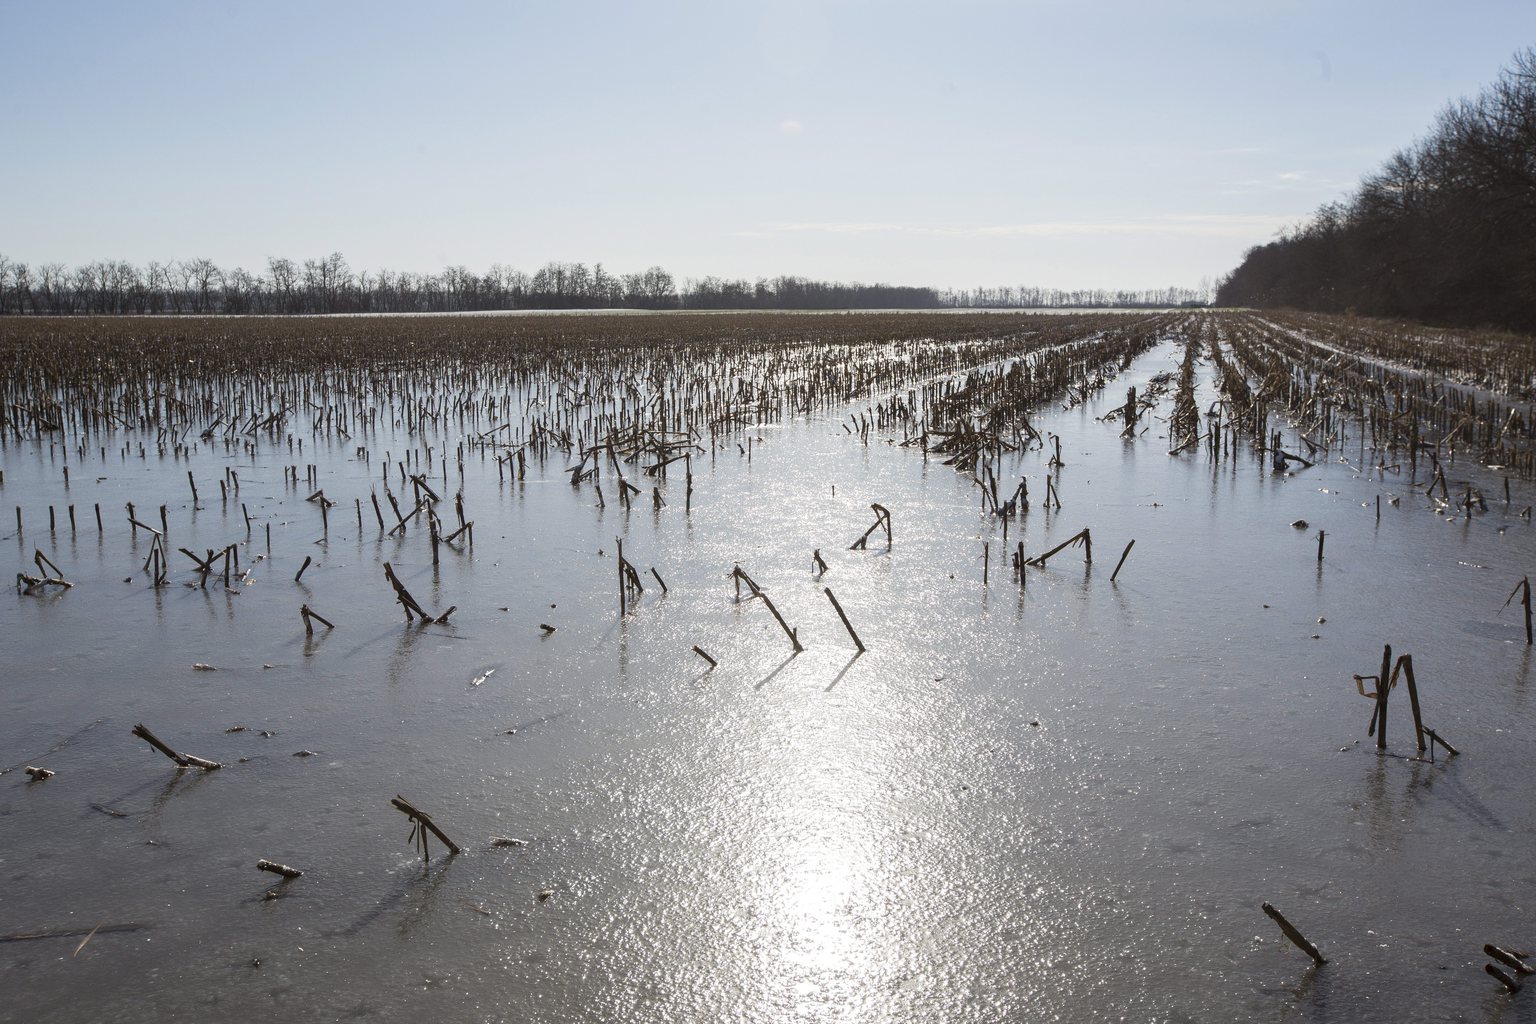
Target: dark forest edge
(330,285)
(1444,232)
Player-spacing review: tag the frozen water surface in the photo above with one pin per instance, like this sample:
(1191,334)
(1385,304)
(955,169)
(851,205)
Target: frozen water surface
(1060,802)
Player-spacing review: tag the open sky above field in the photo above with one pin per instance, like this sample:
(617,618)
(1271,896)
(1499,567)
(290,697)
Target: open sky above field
(1121,145)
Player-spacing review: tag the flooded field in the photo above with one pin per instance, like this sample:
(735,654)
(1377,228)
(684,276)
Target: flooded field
(1055,797)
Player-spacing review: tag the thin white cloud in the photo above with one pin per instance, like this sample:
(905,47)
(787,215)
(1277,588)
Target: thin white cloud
(1285,181)
(1183,225)
(791,127)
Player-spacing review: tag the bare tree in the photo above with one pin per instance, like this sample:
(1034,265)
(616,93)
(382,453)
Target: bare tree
(21,286)
(660,290)
(204,275)
(284,278)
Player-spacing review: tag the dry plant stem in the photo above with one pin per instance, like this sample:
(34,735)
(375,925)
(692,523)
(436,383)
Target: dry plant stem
(45,564)
(1508,959)
(182,760)
(1080,537)
(403,596)
(1383,691)
(1435,738)
(1510,984)
(306,613)
(1523,588)
(739,575)
(1295,936)
(793,638)
(30,584)
(882,519)
(843,615)
(705,655)
(1525,601)
(629,579)
(1405,667)
(422,819)
(278,869)
(1123,555)
(138,525)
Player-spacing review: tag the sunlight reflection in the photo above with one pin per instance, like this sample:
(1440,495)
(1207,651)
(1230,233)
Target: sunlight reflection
(831,904)
(825,880)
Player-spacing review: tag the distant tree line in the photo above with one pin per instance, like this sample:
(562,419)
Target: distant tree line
(1444,232)
(803,293)
(327,285)
(1079,298)
(331,285)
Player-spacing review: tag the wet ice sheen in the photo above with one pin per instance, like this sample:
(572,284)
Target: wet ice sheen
(1067,802)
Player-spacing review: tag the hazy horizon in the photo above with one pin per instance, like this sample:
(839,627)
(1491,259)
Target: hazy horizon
(980,144)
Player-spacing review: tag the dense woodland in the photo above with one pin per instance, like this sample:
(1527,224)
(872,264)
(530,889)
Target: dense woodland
(331,285)
(1444,232)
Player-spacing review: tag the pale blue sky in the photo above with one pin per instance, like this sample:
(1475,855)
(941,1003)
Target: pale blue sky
(1060,144)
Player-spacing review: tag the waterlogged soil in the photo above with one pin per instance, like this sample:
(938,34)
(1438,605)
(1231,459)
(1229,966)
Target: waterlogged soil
(1060,801)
